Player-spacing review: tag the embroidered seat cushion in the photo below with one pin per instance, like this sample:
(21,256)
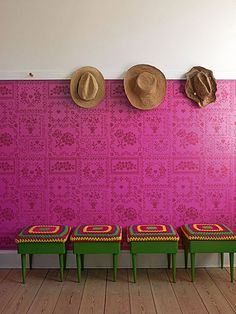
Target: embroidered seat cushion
(152,233)
(43,233)
(208,232)
(96,233)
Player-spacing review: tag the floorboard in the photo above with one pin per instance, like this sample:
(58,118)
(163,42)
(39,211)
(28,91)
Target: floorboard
(210,294)
(4,273)
(93,300)
(71,294)
(222,280)
(186,293)
(154,292)
(141,299)
(163,293)
(25,294)
(117,295)
(8,286)
(46,298)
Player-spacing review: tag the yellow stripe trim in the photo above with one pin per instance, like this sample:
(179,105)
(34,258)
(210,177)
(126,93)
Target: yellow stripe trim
(143,239)
(95,239)
(39,240)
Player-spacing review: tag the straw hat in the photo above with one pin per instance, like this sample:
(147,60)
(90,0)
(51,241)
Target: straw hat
(145,86)
(87,87)
(201,86)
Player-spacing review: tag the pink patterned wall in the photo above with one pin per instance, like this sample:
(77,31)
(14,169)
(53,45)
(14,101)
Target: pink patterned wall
(114,164)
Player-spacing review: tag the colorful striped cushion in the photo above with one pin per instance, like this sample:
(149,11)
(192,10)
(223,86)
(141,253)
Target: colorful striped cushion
(96,233)
(208,232)
(152,233)
(43,233)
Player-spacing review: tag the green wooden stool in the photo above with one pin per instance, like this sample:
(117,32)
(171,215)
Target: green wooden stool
(153,239)
(96,239)
(42,239)
(208,238)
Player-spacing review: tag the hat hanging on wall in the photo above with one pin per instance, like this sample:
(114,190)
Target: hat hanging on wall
(201,86)
(145,86)
(87,87)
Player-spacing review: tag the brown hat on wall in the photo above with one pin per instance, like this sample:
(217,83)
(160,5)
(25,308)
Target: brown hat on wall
(145,86)
(87,87)
(201,86)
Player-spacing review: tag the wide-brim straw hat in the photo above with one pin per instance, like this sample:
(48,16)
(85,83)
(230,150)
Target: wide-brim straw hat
(87,87)
(201,86)
(145,86)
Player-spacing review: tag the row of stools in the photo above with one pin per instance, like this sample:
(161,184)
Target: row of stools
(100,239)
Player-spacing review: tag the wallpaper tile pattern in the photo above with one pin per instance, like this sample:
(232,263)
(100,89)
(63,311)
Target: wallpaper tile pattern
(114,164)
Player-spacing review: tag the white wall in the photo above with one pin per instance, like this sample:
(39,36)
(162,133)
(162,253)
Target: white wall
(54,37)
(10,259)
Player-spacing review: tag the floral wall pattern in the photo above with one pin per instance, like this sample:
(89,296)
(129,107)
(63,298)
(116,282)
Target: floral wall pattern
(114,164)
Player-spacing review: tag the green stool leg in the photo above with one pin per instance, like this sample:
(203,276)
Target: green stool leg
(168,260)
(231,261)
(23,267)
(134,266)
(31,260)
(65,260)
(82,261)
(174,267)
(115,263)
(78,263)
(222,260)
(186,258)
(193,266)
(61,262)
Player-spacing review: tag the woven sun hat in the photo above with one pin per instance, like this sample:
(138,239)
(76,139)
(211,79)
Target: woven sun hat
(145,86)
(201,86)
(87,87)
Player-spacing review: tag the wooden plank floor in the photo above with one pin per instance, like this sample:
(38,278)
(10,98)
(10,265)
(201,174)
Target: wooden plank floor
(212,292)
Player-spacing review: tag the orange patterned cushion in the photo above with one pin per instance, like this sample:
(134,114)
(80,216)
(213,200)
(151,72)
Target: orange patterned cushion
(208,232)
(43,233)
(96,233)
(152,233)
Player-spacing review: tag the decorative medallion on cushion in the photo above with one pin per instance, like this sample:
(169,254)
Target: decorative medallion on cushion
(152,233)
(43,233)
(96,233)
(208,232)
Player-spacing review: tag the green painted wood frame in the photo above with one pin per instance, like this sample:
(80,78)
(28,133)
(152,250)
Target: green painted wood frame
(168,247)
(41,248)
(209,246)
(81,248)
